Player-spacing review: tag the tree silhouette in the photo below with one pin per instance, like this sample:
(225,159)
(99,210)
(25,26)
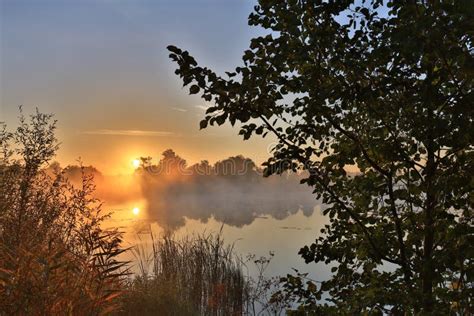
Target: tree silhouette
(385,88)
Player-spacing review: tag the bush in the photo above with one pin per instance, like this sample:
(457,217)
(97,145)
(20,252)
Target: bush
(54,256)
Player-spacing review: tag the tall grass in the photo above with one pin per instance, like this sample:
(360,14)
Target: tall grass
(193,275)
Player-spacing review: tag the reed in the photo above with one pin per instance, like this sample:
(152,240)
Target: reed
(193,275)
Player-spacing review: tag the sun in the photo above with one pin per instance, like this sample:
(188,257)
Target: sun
(136,163)
(136,210)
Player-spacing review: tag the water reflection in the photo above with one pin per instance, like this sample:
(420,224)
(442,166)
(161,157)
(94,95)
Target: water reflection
(283,237)
(227,203)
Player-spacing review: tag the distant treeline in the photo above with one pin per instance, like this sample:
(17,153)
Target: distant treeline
(172,164)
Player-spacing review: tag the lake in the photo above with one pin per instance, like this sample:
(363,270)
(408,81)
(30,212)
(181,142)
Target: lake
(282,234)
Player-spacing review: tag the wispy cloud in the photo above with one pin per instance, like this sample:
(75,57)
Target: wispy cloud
(127,132)
(201,107)
(178,109)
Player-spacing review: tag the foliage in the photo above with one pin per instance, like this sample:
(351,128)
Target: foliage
(54,256)
(383,88)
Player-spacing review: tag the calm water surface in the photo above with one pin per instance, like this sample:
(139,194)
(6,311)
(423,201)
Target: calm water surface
(282,233)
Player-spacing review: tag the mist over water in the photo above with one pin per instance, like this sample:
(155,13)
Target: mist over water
(232,191)
(233,202)
(259,214)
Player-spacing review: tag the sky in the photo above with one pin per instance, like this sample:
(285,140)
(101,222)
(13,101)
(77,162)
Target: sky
(101,66)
